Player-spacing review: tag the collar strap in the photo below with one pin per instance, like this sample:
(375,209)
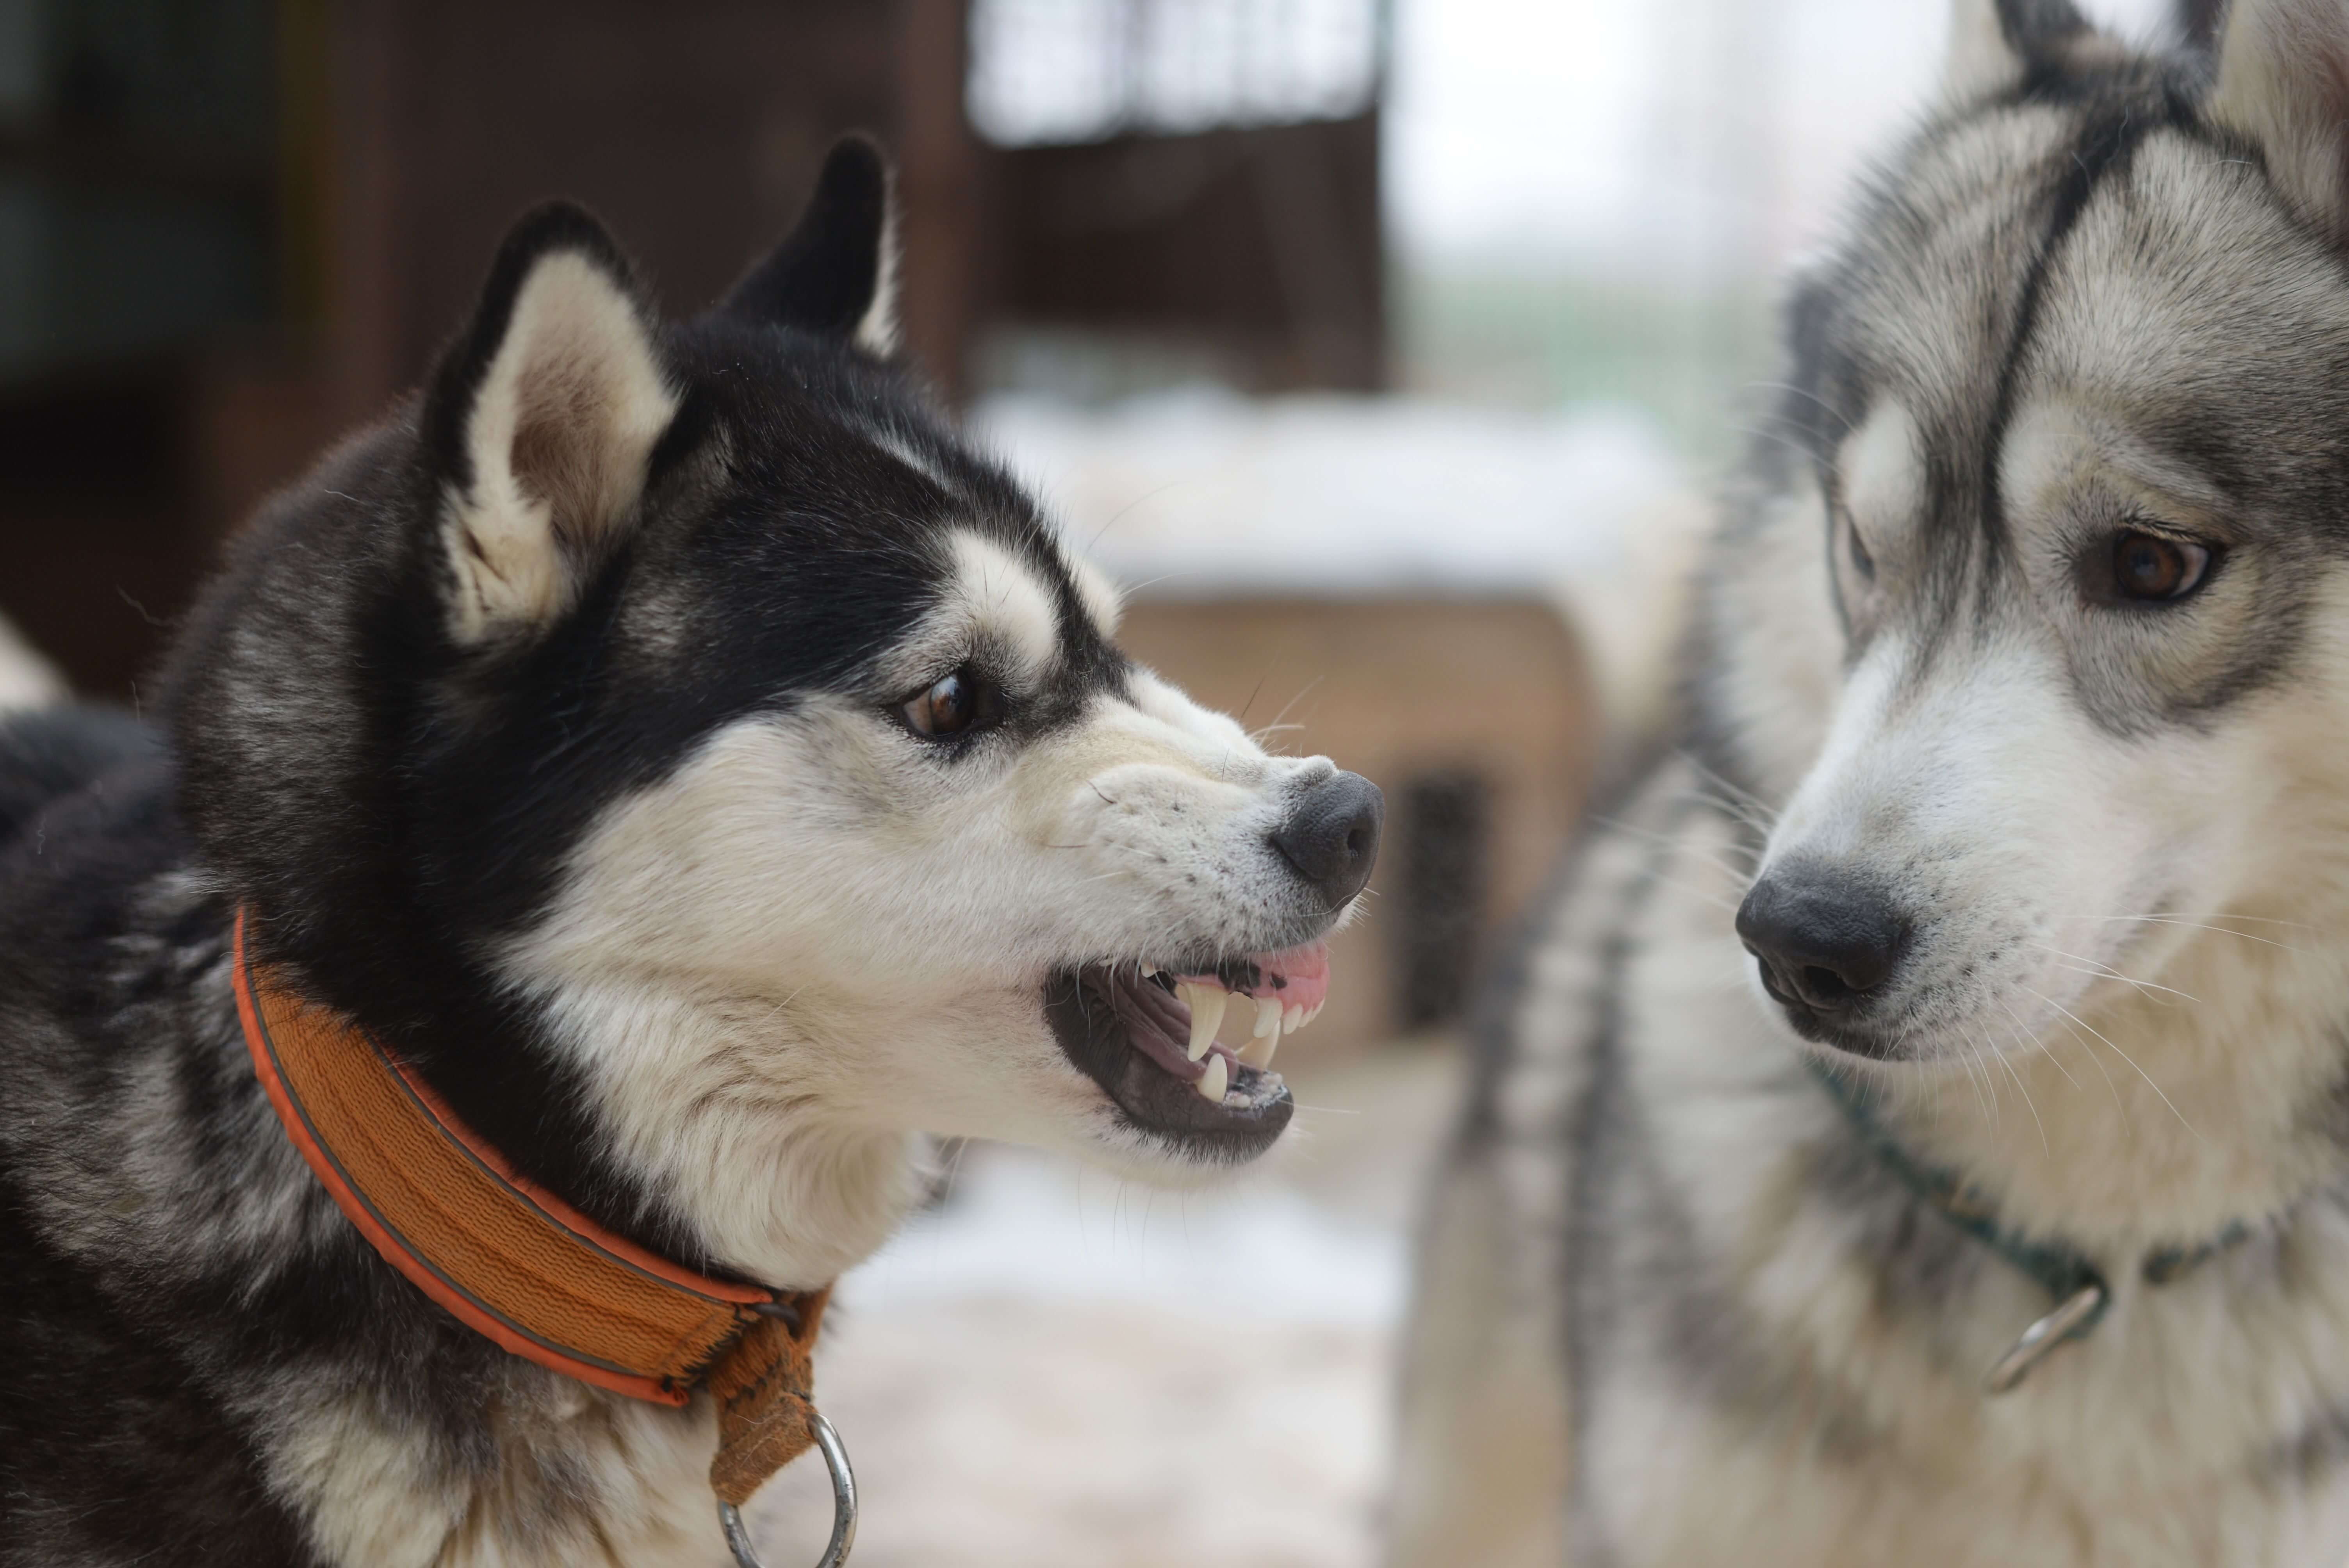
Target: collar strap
(512,1261)
(2069,1275)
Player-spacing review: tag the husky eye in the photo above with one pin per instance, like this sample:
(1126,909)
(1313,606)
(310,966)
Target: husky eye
(953,706)
(2149,567)
(1861,560)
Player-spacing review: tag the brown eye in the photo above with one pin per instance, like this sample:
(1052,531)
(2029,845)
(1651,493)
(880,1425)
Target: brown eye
(2146,566)
(951,707)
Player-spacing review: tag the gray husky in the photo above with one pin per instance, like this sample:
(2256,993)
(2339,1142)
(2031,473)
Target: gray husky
(1917,1129)
(704,772)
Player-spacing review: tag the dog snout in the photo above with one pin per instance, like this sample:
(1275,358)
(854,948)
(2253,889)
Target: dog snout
(1826,939)
(1331,834)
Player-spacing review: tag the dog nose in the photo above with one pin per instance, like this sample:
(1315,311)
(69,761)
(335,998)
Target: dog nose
(1824,940)
(1331,834)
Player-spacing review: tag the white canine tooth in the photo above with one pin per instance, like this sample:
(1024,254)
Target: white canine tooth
(1207,1017)
(1314,1011)
(1257,1052)
(1293,1019)
(1149,970)
(1218,1078)
(1267,1017)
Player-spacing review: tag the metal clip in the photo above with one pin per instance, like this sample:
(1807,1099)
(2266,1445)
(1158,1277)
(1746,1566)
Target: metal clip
(843,1506)
(2043,1337)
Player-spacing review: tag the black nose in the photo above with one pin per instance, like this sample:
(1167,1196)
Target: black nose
(1331,835)
(1824,939)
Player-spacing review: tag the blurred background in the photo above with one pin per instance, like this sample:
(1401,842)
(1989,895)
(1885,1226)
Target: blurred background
(1387,350)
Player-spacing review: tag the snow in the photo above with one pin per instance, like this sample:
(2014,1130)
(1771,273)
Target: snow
(1019,1223)
(1055,1369)
(1198,493)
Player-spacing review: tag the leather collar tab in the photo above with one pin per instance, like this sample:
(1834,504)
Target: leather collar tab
(514,1261)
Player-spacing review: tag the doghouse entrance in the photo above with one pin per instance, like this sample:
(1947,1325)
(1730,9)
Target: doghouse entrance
(1446,822)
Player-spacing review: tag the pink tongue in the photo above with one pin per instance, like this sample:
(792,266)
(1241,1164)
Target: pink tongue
(1298,977)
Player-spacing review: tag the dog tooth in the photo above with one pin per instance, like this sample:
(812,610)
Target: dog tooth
(1207,1015)
(1314,1011)
(1267,1017)
(1149,971)
(1292,1019)
(1257,1052)
(1218,1078)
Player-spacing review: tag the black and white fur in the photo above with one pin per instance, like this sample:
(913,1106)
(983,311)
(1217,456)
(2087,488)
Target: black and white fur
(2093,845)
(556,730)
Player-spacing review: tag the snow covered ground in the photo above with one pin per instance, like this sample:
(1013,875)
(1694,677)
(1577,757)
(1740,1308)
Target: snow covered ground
(1056,1370)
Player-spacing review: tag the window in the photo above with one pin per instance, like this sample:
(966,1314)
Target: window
(1063,71)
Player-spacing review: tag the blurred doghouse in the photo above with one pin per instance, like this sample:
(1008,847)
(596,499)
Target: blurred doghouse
(230,228)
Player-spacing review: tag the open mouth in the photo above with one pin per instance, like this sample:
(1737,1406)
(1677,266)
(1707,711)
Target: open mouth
(1154,1039)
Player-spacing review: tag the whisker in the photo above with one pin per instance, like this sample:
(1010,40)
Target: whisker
(1304,692)
(1737,793)
(1695,892)
(1990,1084)
(2109,973)
(2196,925)
(2023,1038)
(1699,852)
(2209,914)
(2000,1058)
(2123,1055)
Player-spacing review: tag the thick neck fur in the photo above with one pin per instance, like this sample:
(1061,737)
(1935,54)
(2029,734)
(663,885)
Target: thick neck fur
(2210,1094)
(394,1434)
(724,1106)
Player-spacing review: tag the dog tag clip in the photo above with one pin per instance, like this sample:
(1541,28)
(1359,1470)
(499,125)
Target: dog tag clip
(843,1506)
(2043,1337)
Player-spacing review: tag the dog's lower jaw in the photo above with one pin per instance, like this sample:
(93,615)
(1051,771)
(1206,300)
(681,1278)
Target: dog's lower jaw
(1173,1128)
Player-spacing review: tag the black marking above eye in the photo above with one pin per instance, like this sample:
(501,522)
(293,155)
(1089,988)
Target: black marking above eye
(2156,568)
(961,703)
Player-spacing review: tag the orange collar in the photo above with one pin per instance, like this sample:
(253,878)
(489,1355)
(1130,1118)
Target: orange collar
(514,1261)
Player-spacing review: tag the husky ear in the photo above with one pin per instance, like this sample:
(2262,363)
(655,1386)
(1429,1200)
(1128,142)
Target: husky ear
(2283,81)
(541,421)
(2196,23)
(1995,44)
(836,273)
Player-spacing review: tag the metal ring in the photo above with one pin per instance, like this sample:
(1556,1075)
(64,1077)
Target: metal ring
(2080,1308)
(843,1506)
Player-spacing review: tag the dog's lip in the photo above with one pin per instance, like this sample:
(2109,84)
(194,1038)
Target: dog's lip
(1125,1026)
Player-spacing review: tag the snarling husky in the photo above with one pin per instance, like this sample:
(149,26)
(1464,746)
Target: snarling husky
(708,775)
(1917,1129)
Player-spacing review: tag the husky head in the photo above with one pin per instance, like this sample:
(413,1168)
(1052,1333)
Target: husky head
(714,774)
(2029,643)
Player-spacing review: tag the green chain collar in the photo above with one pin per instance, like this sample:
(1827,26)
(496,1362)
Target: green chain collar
(2069,1275)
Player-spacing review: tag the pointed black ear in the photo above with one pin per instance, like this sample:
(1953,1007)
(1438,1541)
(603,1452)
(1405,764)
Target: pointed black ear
(2197,23)
(539,422)
(1994,43)
(836,273)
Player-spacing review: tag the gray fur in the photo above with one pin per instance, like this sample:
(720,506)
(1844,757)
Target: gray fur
(2095,295)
